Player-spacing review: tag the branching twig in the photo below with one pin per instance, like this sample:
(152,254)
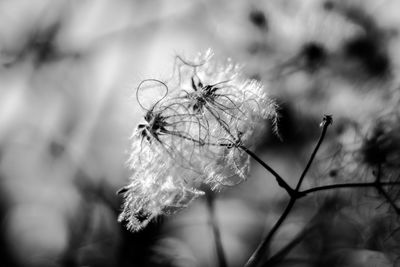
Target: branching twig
(383,192)
(327,120)
(257,257)
(281,182)
(346,185)
(377,184)
(278,256)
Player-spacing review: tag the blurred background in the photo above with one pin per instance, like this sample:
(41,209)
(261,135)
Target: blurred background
(68,74)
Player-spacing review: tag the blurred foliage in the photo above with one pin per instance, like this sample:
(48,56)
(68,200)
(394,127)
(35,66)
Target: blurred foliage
(68,73)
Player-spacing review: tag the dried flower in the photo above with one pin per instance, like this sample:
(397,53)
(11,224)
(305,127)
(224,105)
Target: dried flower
(193,136)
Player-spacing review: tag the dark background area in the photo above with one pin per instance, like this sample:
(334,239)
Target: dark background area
(68,74)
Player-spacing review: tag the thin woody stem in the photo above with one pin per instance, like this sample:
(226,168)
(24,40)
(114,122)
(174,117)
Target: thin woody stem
(279,179)
(278,256)
(389,199)
(216,232)
(383,192)
(257,258)
(327,120)
(347,185)
(286,249)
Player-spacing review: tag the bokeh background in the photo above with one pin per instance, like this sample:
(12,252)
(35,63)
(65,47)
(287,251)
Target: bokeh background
(68,74)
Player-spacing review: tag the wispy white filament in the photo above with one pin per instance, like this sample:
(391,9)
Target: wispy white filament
(192,137)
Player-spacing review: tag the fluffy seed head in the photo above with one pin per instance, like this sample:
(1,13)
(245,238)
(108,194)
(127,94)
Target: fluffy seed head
(193,136)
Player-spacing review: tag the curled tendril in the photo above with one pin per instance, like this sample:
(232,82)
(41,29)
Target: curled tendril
(140,88)
(192,135)
(181,63)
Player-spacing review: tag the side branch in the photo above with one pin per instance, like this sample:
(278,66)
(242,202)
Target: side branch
(281,182)
(258,257)
(327,120)
(347,185)
(383,192)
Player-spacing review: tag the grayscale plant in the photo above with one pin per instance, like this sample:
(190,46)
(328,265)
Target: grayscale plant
(193,136)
